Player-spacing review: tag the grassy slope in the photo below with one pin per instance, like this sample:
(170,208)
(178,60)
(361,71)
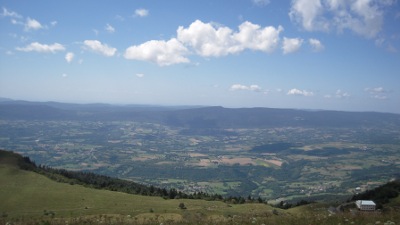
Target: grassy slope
(27,194)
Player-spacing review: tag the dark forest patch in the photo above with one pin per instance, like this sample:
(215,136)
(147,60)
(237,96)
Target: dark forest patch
(272,148)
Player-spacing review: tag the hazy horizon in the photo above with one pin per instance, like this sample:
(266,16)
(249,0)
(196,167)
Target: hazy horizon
(2,99)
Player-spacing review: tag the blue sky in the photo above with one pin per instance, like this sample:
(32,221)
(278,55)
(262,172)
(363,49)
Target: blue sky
(308,54)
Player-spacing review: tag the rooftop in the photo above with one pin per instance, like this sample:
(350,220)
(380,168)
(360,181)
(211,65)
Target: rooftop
(367,202)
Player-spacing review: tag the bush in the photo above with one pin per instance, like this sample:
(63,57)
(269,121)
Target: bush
(182,205)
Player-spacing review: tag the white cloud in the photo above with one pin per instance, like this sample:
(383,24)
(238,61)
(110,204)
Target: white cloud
(42,48)
(364,17)
(140,75)
(291,45)
(16,22)
(252,36)
(109,28)
(316,44)
(69,57)
(208,39)
(377,93)
(308,13)
(29,24)
(376,90)
(64,75)
(163,53)
(12,14)
(32,24)
(341,94)
(379,97)
(295,91)
(141,12)
(238,87)
(98,47)
(261,2)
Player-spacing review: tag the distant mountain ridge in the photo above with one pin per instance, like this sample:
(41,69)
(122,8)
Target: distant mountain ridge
(213,117)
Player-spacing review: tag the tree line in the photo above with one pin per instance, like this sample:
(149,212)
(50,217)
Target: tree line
(97,181)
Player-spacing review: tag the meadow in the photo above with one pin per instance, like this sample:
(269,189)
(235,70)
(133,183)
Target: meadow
(30,198)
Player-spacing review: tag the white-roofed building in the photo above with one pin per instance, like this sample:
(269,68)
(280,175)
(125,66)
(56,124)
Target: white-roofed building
(366,205)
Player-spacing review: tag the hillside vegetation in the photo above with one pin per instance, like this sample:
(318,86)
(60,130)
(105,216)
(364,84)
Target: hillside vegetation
(27,197)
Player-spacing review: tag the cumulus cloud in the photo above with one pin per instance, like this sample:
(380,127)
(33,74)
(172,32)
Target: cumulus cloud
(298,92)
(316,45)
(69,57)
(208,39)
(254,37)
(163,53)
(239,87)
(100,48)
(261,3)
(109,28)
(141,12)
(32,24)
(42,48)
(291,45)
(364,17)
